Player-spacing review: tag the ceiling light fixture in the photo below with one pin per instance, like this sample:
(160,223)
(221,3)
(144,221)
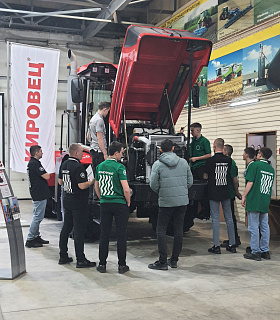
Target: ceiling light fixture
(244,102)
(137,1)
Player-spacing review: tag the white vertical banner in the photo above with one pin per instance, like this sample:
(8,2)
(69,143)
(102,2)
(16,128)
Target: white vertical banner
(34,80)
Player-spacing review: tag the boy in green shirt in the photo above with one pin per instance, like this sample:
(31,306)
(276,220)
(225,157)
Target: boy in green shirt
(256,199)
(112,189)
(200,151)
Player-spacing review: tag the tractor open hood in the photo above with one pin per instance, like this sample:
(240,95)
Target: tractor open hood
(153,74)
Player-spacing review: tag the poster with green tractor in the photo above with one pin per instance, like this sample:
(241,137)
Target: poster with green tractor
(234,16)
(200,18)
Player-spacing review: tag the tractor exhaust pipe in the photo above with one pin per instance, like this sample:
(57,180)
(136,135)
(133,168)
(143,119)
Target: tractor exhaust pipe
(72,108)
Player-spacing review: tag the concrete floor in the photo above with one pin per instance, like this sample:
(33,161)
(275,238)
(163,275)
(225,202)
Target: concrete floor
(205,286)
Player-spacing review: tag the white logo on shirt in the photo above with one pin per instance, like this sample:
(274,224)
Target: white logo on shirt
(82,175)
(221,174)
(266,183)
(106,185)
(67,186)
(41,169)
(124,172)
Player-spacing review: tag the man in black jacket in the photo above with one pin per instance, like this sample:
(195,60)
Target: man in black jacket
(40,192)
(73,177)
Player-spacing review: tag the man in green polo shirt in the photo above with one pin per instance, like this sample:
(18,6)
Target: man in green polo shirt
(256,199)
(200,150)
(112,189)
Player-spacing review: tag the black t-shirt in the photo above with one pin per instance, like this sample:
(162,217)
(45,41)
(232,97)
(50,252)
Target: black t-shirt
(218,170)
(38,186)
(72,172)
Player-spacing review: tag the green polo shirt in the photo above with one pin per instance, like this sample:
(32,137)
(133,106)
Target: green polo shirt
(109,174)
(233,174)
(262,176)
(199,147)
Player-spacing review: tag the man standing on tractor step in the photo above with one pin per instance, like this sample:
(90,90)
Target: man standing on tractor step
(171,178)
(96,135)
(200,151)
(40,192)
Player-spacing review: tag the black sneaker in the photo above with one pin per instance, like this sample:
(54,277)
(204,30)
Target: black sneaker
(85,264)
(64,260)
(33,244)
(265,255)
(158,266)
(42,241)
(231,249)
(252,256)
(172,263)
(237,241)
(225,244)
(214,249)
(248,250)
(101,268)
(123,269)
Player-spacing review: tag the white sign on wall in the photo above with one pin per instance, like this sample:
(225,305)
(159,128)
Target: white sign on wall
(34,79)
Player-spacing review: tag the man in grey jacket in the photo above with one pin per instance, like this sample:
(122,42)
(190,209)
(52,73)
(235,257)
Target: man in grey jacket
(171,178)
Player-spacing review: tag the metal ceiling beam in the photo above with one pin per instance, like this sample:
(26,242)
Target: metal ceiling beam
(36,14)
(68,17)
(57,15)
(45,18)
(77,3)
(107,14)
(7,6)
(144,10)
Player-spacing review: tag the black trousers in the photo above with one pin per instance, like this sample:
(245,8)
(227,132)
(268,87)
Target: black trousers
(164,216)
(120,213)
(234,219)
(96,159)
(74,216)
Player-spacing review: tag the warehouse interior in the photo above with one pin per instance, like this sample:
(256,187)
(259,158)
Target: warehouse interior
(239,102)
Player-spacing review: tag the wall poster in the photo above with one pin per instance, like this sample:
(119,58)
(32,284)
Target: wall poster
(261,70)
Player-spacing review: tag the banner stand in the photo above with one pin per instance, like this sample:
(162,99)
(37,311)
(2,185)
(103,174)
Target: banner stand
(12,218)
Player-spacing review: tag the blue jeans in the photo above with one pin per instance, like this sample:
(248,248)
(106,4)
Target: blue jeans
(215,214)
(258,223)
(39,208)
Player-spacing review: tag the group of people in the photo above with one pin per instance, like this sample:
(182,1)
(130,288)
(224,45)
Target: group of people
(222,175)
(171,177)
